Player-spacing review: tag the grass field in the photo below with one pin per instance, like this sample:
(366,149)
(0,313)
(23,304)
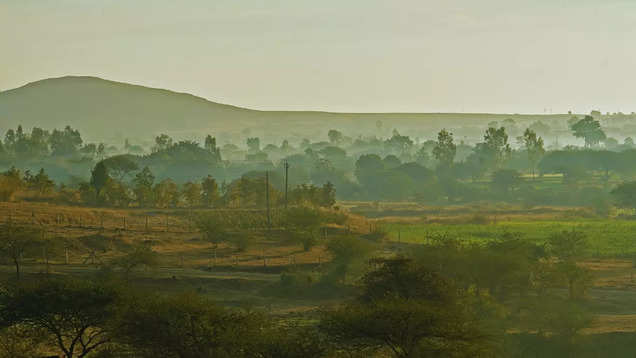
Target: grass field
(606,237)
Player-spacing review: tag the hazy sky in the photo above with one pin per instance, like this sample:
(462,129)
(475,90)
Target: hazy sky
(339,55)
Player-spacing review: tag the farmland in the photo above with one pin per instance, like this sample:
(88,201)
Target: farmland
(84,239)
(83,242)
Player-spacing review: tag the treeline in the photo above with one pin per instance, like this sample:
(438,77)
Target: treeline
(41,143)
(397,168)
(143,191)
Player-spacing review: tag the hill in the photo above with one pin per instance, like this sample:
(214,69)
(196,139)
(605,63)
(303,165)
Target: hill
(104,109)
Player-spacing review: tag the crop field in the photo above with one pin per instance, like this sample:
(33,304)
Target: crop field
(606,237)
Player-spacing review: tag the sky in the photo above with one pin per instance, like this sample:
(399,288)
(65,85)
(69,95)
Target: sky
(497,56)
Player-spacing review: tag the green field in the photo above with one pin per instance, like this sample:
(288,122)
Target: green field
(606,237)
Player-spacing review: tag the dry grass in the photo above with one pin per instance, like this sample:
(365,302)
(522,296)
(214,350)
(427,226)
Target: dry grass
(169,232)
(612,323)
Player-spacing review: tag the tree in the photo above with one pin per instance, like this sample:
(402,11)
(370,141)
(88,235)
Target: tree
(534,148)
(9,140)
(41,183)
(166,193)
(335,137)
(162,142)
(399,144)
(284,146)
(568,247)
(10,183)
(21,342)
(192,193)
(409,310)
(99,177)
(66,142)
(75,313)
(115,193)
(143,183)
(187,326)
(540,128)
(327,195)
(495,146)
(445,149)
(588,129)
(422,156)
(253,145)
(121,165)
(214,229)
(368,165)
(100,151)
(303,222)
(15,241)
(140,256)
(346,253)
(505,180)
(625,194)
(292,342)
(89,150)
(210,146)
(333,153)
(391,162)
(210,191)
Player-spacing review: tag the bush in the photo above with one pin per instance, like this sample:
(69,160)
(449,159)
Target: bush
(377,234)
(242,242)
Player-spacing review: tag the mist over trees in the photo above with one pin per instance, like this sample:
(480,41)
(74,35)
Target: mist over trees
(392,168)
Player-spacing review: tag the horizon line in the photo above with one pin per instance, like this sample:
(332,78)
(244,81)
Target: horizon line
(241,107)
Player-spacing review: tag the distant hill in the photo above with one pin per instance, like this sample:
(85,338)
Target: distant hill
(106,109)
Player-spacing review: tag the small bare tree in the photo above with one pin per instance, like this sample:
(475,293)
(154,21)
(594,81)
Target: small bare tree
(14,242)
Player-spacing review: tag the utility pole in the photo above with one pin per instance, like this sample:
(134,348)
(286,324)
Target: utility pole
(269,220)
(45,255)
(286,181)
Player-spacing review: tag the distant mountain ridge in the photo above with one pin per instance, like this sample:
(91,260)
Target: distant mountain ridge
(106,109)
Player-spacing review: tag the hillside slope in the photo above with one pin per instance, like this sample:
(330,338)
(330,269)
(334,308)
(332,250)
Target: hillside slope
(107,109)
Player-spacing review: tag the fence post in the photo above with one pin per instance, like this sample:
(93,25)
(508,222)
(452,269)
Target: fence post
(264,259)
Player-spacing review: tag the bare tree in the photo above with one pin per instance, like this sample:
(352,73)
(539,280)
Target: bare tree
(15,241)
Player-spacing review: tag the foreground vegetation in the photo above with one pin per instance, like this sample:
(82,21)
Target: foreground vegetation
(317,283)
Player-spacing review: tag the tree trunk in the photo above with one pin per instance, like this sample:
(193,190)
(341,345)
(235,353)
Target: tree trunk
(17,268)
